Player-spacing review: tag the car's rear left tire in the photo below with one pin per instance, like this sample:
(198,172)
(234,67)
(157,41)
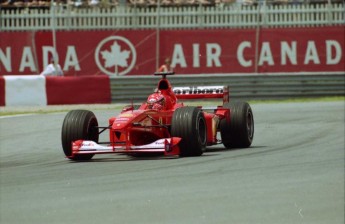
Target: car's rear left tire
(189,124)
(78,125)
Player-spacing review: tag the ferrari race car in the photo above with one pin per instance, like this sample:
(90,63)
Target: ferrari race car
(162,125)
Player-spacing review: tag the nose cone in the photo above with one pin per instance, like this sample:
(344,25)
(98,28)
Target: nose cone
(123,120)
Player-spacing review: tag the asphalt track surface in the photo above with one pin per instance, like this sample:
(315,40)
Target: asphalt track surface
(293,173)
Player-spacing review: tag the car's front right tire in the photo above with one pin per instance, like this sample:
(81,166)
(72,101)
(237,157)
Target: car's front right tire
(78,125)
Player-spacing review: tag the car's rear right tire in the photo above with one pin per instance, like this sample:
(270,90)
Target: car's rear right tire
(239,132)
(189,124)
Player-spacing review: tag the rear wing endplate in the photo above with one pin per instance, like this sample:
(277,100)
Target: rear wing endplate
(202,92)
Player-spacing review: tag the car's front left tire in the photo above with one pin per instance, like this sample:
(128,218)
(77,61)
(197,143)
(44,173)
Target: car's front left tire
(189,124)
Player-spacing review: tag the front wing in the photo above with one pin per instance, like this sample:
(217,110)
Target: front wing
(167,146)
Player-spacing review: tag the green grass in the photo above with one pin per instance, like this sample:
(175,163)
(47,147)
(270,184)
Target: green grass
(294,100)
(56,109)
(301,100)
(53,109)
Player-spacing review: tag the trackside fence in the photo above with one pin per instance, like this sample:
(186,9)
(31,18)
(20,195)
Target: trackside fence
(191,17)
(242,87)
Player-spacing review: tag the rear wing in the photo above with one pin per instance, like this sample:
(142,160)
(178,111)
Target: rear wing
(202,92)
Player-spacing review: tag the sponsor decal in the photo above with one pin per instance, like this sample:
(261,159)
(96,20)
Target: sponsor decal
(122,119)
(198,90)
(150,112)
(88,144)
(125,115)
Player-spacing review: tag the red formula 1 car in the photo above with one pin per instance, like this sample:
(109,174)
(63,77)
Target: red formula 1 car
(162,125)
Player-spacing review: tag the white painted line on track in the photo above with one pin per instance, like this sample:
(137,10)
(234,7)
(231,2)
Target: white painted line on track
(15,115)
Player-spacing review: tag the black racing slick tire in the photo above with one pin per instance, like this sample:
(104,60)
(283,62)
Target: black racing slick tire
(78,125)
(189,124)
(239,132)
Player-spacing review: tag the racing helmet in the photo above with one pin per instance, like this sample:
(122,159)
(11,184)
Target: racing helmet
(156,101)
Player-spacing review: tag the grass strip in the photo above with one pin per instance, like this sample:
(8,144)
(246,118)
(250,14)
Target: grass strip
(11,111)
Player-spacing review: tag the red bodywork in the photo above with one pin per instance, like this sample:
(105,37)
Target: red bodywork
(145,130)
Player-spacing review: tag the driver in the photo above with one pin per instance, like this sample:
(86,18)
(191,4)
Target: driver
(156,101)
